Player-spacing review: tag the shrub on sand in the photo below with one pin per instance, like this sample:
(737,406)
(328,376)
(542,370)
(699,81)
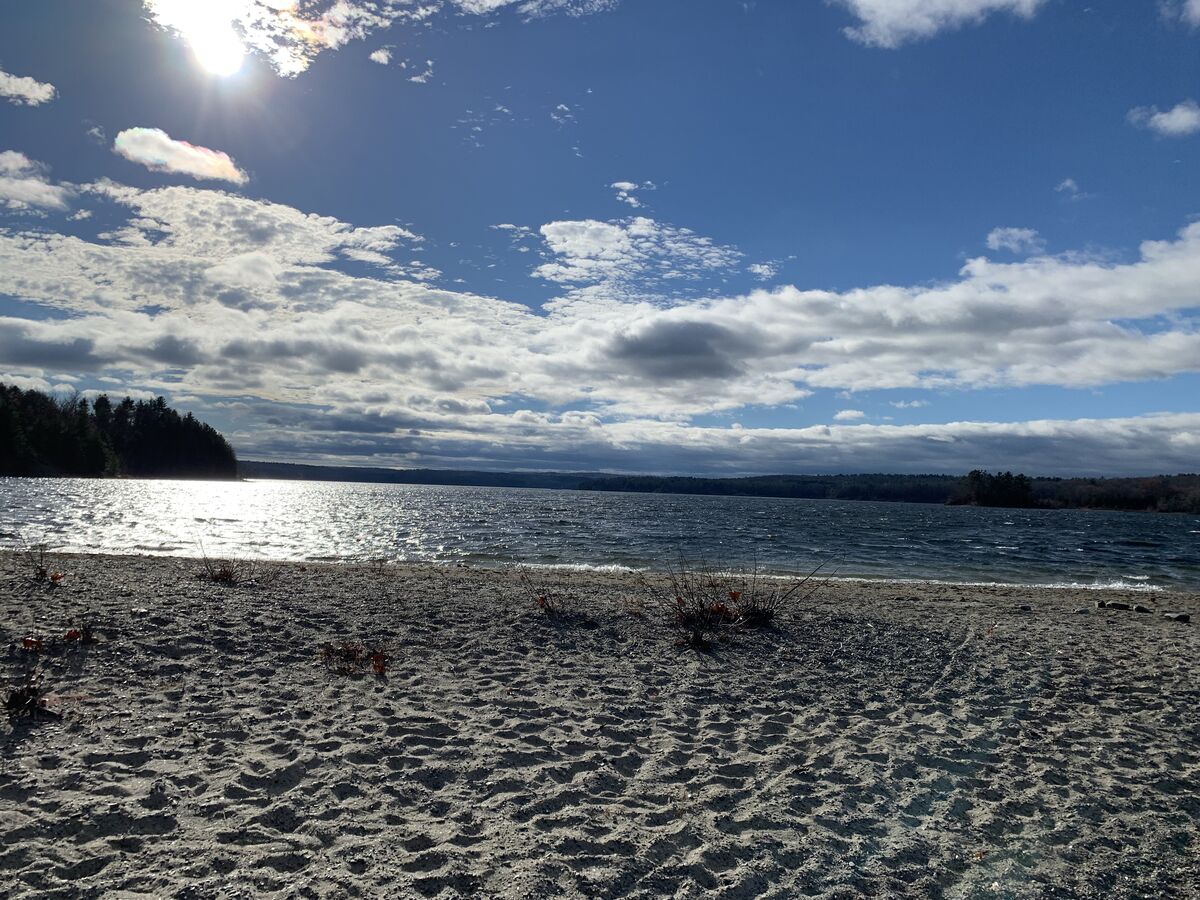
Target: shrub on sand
(556,606)
(37,560)
(703,599)
(354,658)
(28,700)
(238,572)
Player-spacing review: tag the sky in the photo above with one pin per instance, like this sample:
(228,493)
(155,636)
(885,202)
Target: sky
(669,236)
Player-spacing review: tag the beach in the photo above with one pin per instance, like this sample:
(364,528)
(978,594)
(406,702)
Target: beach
(881,739)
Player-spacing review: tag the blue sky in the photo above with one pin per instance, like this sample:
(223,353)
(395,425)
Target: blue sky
(680,235)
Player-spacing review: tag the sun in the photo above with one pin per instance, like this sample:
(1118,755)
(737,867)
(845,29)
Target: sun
(216,47)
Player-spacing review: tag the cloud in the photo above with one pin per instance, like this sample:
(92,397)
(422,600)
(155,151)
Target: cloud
(221,296)
(627,192)
(891,23)
(1187,11)
(1070,189)
(383,56)
(24,184)
(763,271)
(629,256)
(159,152)
(910,404)
(425,76)
(24,91)
(1015,240)
(849,415)
(1181,120)
(290,35)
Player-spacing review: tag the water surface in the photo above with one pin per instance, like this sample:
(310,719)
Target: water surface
(306,520)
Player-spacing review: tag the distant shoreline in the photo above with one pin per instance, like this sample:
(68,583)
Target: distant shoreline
(1155,493)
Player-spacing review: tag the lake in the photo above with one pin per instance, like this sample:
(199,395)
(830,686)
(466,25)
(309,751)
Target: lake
(320,521)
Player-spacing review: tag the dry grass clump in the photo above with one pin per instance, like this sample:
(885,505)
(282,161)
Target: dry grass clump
(704,599)
(28,700)
(558,607)
(238,572)
(354,658)
(37,559)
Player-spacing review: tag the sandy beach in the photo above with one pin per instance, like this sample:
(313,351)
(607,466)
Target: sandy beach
(886,739)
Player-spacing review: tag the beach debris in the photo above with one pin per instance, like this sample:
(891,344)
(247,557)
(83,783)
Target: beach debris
(352,658)
(379,663)
(1182,617)
(28,701)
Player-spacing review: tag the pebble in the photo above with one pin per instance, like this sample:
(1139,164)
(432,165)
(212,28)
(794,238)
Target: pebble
(1081,609)
(1116,604)
(1178,617)
(1140,608)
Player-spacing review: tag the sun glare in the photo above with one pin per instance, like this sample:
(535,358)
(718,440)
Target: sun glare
(208,28)
(217,47)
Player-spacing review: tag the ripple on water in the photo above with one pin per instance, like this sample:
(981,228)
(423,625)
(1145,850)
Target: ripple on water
(323,521)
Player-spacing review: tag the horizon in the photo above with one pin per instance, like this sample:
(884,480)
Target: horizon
(843,237)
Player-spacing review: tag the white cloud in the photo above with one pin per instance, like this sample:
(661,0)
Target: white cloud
(159,152)
(25,91)
(24,184)
(763,271)
(910,404)
(1187,11)
(627,192)
(220,295)
(1015,240)
(290,35)
(383,56)
(890,23)
(1070,189)
(1180,120)
(425,76)
(629,256)
(849,415)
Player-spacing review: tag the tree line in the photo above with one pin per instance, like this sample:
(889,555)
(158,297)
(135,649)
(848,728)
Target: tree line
(41,435)
(1159,493)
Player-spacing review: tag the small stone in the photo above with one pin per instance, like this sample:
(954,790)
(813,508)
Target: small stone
(1140,608)
(1100,604)
(1116,604)
(1081,609)
(1178,617)
(1025,607)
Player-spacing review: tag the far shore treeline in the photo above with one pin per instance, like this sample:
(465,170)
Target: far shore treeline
(1162,493)
(41,435)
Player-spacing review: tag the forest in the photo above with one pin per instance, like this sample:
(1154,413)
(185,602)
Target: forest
(41,435)
(1158,493)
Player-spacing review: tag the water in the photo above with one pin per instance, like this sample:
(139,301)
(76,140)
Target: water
(296,520)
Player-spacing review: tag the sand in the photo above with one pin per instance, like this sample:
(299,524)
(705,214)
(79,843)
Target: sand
(886,740)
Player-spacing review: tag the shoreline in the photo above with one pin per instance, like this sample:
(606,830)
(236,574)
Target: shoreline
(1118,585)
(887,738)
